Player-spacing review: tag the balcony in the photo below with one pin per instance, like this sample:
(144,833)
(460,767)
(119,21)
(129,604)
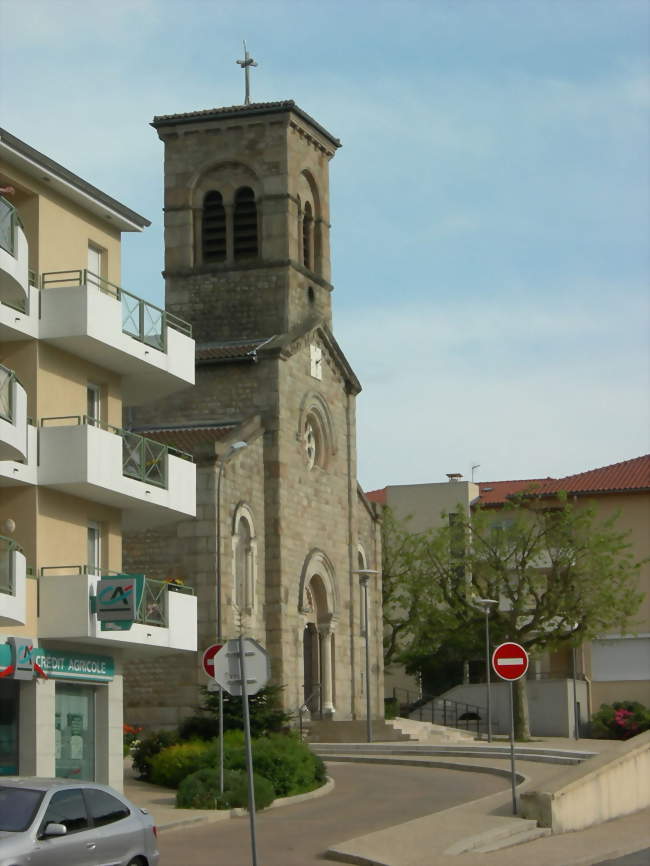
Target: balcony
(151,483)
(165,620)
(86,315)
(13,416)
(23,471)
(13,583)
(14,269)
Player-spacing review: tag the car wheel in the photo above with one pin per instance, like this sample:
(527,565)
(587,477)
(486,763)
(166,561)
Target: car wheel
(137,861)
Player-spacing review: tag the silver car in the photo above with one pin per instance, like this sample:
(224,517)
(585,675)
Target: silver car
(59,822)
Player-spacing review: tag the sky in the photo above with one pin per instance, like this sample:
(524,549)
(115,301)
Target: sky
(489,206)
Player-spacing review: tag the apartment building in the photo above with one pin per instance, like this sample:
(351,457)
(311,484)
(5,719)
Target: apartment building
(76,349)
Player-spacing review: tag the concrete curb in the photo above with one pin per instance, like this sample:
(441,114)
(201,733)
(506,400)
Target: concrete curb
(425,762)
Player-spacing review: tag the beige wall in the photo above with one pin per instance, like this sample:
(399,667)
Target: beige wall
(422,504)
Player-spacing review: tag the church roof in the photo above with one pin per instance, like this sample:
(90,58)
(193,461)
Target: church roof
(188,436)
(231,350)
(255,108)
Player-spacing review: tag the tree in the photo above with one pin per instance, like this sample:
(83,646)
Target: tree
(561,577)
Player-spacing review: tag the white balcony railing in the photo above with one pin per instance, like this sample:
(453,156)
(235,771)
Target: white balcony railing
(13,416)
(165,619)
(152,349)
(150,482)
(13,578)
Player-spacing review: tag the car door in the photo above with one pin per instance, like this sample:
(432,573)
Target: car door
(118,834)
(78,846)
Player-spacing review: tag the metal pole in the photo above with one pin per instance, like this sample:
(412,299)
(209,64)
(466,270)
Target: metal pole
(366,629)
(218,591)
(249,751)
(220,740)
(576,708)
(487,671)
(512,748)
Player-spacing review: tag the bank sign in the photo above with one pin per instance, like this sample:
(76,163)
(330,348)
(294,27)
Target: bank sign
(60,665)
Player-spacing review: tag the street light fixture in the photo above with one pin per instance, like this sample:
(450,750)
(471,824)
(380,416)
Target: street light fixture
(364,576)
(233,449)
(486,603)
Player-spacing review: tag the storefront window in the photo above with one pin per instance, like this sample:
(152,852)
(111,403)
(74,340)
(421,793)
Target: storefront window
(75,732)
(8,728)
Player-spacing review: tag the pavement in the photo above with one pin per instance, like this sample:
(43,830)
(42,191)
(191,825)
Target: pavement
(431,839)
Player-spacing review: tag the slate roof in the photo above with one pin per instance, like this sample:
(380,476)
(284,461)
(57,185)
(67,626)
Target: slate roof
(186,438)
(240,350)
(254,108)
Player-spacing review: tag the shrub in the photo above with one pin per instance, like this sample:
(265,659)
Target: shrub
(266,715)
(200,790)
(288,764)
(174,763)
(147,747)
(620,720)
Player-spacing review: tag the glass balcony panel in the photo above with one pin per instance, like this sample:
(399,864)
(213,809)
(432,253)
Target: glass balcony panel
(144,459)
(131,315)
(6,394)
(7,547)
(153,609)
(153,327)
(154,462)
(8,220)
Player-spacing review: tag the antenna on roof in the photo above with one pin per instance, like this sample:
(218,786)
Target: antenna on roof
(246,64)
(475,466)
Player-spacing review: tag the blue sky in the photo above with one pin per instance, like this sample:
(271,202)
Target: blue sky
(490,203)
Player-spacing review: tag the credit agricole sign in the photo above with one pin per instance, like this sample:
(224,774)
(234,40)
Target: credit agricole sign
(55,664)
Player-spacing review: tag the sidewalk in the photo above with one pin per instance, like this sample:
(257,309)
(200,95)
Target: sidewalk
(423,841)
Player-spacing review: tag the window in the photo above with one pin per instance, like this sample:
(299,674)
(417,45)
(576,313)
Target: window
(244,552)
(96,261)
(245,224)
(94,549)
(307,236)
(93,404)
(18,808)
(313,442)
(67,808)
(104,808)
(213,228)
(74,732)
(316,361)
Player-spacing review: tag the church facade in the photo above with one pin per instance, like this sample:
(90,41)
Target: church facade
(282,527)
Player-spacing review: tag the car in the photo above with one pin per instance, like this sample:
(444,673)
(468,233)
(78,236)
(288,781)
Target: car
(60,822)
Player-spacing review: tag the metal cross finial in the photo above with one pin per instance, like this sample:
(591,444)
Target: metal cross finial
(246,64)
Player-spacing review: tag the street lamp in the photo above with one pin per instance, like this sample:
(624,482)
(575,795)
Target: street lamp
(236,446)
(364,576)
(576,709)
(486,602)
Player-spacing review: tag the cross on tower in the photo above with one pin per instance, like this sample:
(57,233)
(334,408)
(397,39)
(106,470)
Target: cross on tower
(246,64)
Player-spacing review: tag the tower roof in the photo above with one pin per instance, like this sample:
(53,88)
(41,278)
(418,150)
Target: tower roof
(255,108)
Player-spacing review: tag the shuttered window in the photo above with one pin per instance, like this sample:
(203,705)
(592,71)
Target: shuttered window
(307,232)
(213,228)
(245,224)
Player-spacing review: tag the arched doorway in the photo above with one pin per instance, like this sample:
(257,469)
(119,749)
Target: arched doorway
(318,606)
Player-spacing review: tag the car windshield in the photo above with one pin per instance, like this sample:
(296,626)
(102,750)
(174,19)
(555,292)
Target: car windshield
(18,807)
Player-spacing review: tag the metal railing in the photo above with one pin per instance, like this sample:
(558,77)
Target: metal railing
(143,459)
(8,546)
(452,714)
(154,604)
(141,320)
(7,390)
(9,222)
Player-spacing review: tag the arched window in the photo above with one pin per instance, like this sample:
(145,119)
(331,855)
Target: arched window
(244,550)
(213,228)
(245,224)
(307,236)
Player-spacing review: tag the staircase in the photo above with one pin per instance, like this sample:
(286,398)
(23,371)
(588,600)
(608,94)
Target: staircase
(355,731)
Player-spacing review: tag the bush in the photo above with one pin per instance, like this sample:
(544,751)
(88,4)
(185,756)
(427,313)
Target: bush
(620,720)
(288,764)
(149,746)
(173,764)
(200,790)
(266,715)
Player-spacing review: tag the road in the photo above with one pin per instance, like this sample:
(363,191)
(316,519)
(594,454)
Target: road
(366,798)
(639,858)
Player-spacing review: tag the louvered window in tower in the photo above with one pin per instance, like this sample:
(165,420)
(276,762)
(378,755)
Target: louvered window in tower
(214,228)
(307,236)
(245,224)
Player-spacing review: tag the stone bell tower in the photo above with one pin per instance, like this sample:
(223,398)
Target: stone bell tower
(247,249)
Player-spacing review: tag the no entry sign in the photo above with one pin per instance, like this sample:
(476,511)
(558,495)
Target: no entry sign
(510,661)
(208,658)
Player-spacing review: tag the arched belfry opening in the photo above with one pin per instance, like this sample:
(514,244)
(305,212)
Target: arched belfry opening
(318,607)
(245,224)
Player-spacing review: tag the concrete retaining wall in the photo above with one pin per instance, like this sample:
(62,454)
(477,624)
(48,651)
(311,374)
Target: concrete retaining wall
(602,788)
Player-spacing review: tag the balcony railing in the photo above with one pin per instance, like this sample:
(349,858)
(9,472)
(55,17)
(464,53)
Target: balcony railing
(140,319)
(143,459)
(9,221)
(7,548)
(7,380)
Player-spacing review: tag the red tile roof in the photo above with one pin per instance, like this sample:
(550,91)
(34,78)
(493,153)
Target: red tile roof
(377,496)
(619,477)
(497,492)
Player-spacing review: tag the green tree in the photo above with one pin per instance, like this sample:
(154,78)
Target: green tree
(561,576)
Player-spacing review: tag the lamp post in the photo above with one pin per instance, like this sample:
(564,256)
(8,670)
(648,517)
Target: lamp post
(576,709)
(236,446)
(486,602)
(364,576)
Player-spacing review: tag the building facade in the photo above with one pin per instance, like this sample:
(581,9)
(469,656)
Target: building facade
(75,349)
(282,528)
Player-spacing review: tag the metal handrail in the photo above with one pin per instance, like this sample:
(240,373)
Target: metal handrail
(154,604)
(7,581)
(141,319)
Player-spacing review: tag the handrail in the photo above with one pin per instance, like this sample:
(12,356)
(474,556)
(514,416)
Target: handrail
(141,319)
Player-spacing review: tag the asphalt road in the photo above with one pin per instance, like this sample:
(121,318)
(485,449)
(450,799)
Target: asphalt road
(366,798)
(639,858)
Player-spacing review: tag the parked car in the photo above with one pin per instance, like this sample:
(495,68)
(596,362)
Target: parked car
(59,822)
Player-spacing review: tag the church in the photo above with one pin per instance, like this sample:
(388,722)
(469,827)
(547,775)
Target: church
(285,547)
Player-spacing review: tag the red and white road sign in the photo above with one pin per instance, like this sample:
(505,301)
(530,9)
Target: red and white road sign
(510,661)
(208,658)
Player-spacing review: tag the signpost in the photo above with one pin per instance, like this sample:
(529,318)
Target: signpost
(510,663)
(208,658)
(242,668)
(208,666)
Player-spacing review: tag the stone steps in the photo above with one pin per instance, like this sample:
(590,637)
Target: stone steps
(509,832)
(378,750)
(352,731)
